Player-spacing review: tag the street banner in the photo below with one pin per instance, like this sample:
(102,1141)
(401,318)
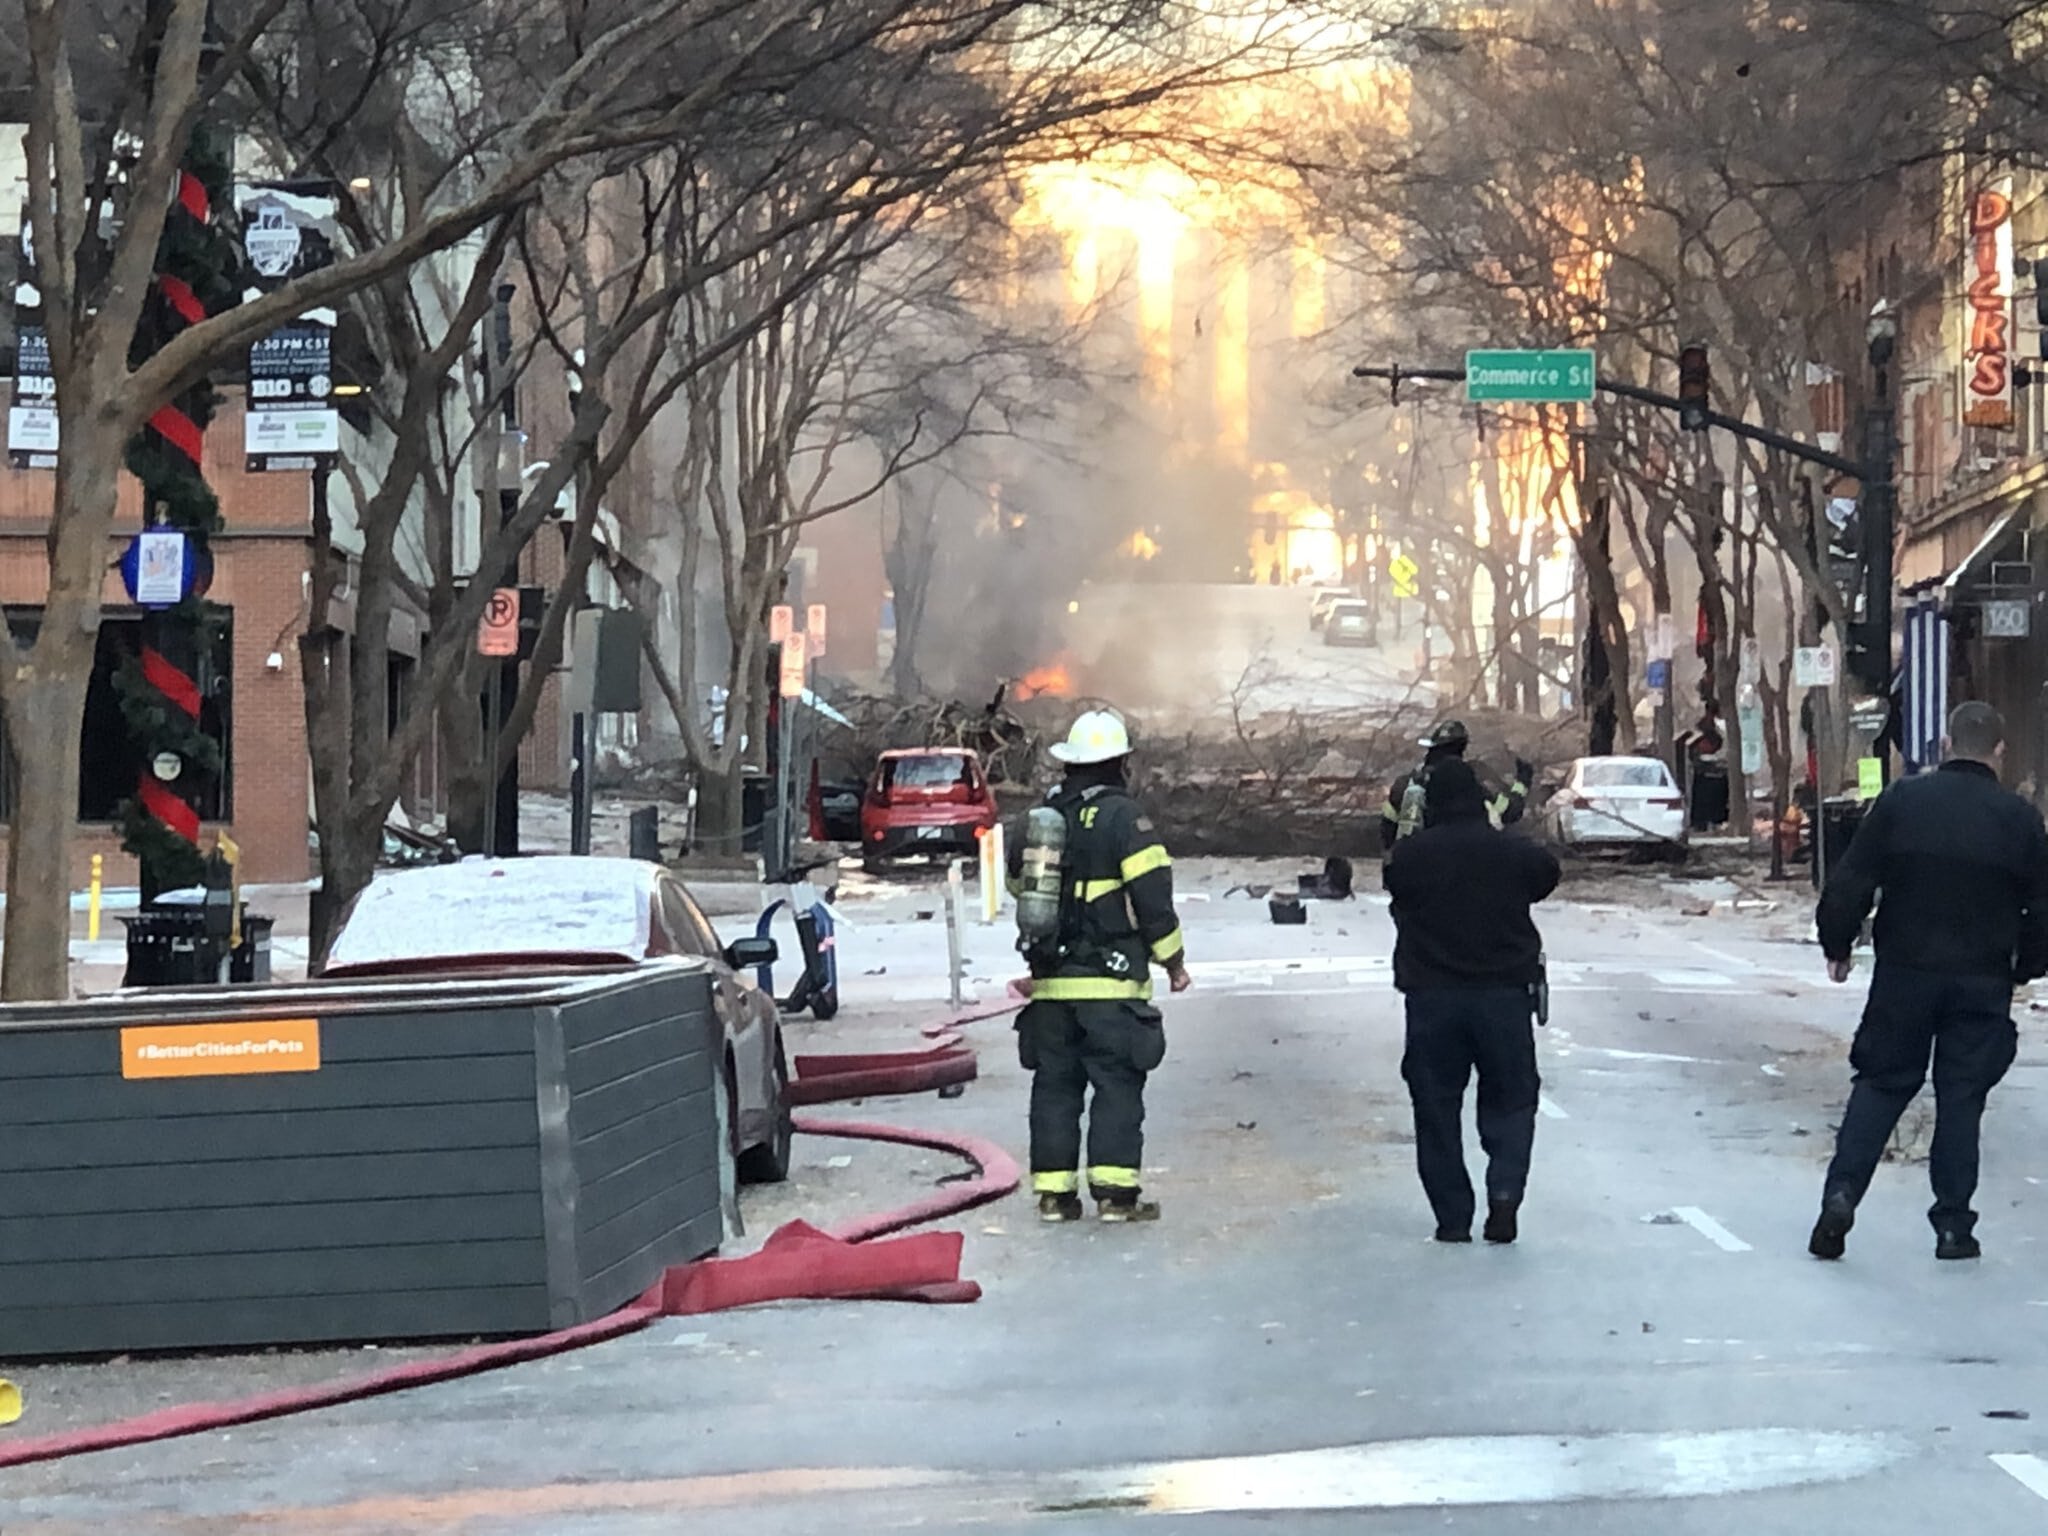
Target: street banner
(781,620)
(814,630)
(288,230)
(32,433)
(1988,279)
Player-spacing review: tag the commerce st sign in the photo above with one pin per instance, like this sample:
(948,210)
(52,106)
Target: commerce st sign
(1550,377)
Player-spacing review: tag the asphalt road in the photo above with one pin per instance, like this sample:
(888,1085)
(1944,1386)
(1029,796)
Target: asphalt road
(1287,1349)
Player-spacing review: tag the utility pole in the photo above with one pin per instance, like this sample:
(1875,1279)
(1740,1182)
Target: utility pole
(502,804)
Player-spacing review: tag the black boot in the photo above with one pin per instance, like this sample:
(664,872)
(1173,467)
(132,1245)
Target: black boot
(1501,1225)
(1830,1233)
(1955,1244)
(1454,1234)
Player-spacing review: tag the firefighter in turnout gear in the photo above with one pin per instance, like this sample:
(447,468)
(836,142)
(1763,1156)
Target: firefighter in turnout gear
(1402,814)
(1090,1023)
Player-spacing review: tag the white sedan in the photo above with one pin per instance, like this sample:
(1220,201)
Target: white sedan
(1619,802)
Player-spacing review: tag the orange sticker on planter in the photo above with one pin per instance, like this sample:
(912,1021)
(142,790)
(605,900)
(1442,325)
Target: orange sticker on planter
(221,1050)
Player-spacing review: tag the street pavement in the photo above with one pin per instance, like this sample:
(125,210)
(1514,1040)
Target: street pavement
(1286,1349)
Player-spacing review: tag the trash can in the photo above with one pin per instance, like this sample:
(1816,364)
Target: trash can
(1839,819)
(1709,797)
(170,947)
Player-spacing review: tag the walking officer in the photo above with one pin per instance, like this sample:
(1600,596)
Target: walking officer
(1467,959)
(1402,813)
(1095,910)
(1963,867)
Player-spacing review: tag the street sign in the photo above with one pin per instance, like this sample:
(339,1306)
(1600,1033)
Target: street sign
(1404,572)
(1558,377)
(814,630)
(497,632)
(1869,778)
(781,620)
(1870,715)
(1657,674)
(1813,666)
(2007,618)
(793,665)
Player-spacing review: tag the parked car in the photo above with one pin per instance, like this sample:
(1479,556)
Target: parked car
(1349,623)
(1325,598)
(1619,802)
(932,801)
(564,913)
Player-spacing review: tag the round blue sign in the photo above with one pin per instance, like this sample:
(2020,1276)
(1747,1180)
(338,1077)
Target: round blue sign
(162,567)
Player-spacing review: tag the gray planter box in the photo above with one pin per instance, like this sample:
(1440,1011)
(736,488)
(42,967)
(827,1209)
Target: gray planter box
(350,1160)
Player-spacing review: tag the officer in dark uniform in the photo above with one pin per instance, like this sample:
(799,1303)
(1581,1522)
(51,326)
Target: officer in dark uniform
(1466,956)
(1402,813)
(1090,1022)
(1963,866)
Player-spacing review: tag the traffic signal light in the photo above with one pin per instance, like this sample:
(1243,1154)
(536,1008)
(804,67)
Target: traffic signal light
(1695,382)
(1869,660)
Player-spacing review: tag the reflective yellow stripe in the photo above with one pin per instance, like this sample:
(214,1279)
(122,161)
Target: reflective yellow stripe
(1088,989)
(1055,1183)
(1391,811)
(1518,788)
(1145,860)
(1095,890)
(1165,949)
(1113,1178)
(1497,804)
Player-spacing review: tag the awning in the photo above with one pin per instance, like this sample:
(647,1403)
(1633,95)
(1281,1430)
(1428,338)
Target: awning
(1974,565)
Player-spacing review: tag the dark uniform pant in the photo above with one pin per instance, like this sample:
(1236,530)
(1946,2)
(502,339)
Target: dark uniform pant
(1450,1032)
(1071,1047)
(1965,1024)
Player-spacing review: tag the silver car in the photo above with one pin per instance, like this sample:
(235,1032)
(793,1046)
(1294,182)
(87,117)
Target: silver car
(490,916)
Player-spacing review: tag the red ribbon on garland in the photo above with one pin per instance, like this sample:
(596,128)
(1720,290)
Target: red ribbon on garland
(168,679)
(167,807)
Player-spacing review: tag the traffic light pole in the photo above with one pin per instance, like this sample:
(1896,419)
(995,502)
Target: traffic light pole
(1711,418)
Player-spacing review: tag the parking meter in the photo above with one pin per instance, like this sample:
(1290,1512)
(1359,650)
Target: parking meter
(219,903)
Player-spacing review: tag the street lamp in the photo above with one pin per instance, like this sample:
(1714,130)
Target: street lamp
(1879,497)
(1882,333)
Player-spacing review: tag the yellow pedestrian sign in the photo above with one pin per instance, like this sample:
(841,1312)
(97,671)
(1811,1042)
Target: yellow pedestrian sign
(1404,571)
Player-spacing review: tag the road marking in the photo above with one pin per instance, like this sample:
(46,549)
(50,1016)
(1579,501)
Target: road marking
(1710,1229)
(1481,1470)
(2030,1472)
(1621,1055)
(1549,1107)
(1723,956)
(1686,979)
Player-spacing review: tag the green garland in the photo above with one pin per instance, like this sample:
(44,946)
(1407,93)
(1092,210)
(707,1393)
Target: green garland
(176,495)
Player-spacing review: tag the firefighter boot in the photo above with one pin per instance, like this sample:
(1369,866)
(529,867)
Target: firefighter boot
(1124,1205)
(1053,1207)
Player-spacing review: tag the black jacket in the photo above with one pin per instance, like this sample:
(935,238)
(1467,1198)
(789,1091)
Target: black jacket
(1118,919)
(1462,893)
(1963,867)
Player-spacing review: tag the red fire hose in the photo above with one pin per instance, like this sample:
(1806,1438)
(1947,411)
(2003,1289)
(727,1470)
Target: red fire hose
(854,1260)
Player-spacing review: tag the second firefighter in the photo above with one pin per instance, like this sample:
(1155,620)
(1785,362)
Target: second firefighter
(1096,915)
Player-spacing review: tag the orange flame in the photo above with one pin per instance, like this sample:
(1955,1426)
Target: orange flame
(1052,680)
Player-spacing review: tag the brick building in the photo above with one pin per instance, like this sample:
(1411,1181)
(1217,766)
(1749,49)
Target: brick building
(255,703)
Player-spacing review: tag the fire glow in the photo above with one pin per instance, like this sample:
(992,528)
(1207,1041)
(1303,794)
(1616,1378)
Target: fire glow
(1051,680)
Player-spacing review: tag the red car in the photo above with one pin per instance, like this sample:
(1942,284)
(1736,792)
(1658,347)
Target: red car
(932,801)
